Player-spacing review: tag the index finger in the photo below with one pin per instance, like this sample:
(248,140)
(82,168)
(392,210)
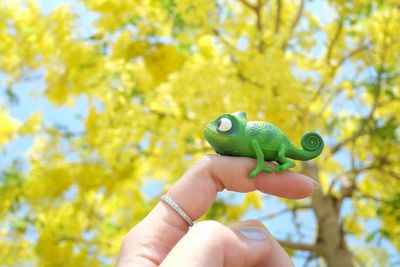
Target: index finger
(149,242)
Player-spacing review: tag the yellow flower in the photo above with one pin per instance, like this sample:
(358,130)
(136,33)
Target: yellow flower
(8,127)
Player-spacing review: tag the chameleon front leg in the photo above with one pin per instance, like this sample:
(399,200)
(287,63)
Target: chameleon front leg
(284,163)
(261,166)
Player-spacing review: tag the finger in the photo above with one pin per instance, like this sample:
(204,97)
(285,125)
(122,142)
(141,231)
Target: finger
(148,243)
(277,256)
(196,190)
(211,244)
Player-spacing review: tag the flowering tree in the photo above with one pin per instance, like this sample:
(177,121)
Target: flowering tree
(151,73)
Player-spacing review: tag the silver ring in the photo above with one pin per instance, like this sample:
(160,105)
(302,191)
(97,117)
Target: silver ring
(178,209)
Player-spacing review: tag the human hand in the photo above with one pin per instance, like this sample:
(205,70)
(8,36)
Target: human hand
(162,237)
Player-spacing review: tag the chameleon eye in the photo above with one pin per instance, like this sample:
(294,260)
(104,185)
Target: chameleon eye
(224,125)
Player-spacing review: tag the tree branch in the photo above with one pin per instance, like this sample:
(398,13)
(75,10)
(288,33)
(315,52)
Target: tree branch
(365,120)
(347,140)
(278,16)
(246,3)
(309,259)
(301,246)
(259,26)
(283,211)
(394,174)
(240,74)
(333,72)
(224,40)
(298,16)
(354,172)
(334,40)
(375,198)
(257,9)
(294,24)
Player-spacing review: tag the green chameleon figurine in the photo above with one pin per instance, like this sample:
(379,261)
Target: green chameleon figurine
(233,135)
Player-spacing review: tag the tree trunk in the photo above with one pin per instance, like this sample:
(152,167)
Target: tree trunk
(331,238)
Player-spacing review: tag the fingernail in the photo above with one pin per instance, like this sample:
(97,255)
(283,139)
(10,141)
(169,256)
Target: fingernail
(253,233)
(316,184)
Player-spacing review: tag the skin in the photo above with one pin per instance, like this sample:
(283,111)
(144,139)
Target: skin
(233,135)
(162,238)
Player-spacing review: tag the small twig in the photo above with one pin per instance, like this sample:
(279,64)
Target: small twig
(294,24)
(334,70)
(224,40)
(361,131)
(246,3)
(258,10)
(315,248)
(310,258)
(278,15)
(283,211)
(334,40)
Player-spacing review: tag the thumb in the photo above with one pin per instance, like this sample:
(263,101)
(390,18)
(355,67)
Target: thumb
(212,244)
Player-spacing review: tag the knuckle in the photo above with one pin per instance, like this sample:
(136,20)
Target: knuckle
(137,249)
(208,226)
(204,161)
(209,229)
(207,164)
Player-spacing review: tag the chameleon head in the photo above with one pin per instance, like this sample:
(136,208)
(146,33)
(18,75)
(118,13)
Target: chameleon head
(223,132)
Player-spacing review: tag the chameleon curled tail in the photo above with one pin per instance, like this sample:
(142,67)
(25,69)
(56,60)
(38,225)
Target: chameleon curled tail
(312,144)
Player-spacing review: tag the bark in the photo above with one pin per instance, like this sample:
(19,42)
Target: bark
(331,238)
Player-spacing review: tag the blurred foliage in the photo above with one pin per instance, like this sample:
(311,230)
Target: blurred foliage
(154,72)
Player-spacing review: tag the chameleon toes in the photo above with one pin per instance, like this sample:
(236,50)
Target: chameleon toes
(280,168)
(259,169)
